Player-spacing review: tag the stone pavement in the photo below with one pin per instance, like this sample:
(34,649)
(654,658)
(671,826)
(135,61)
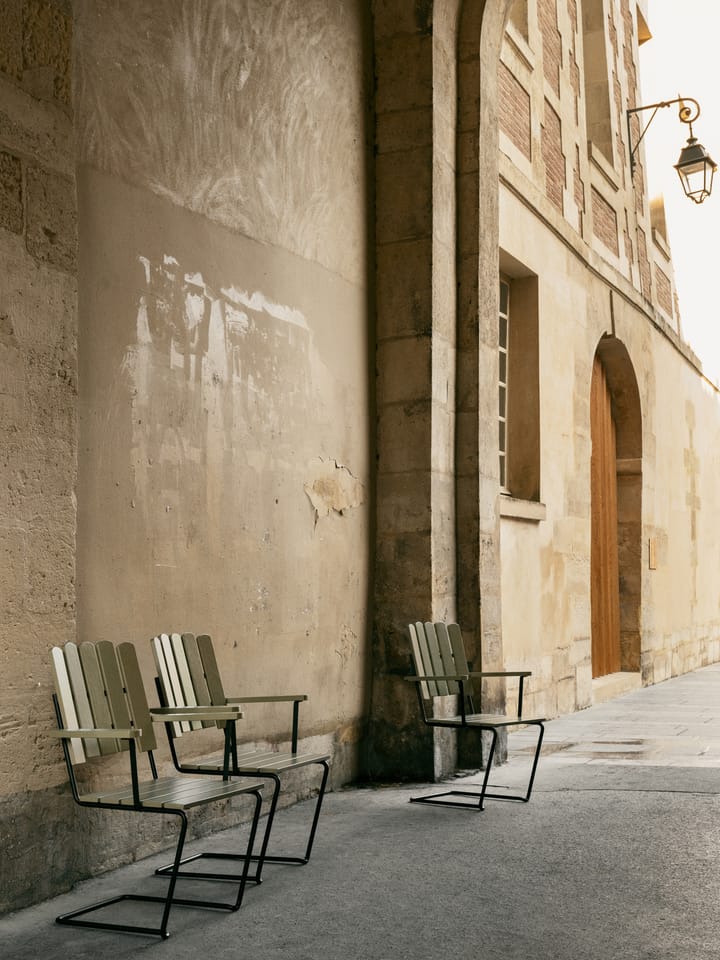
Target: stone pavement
(614,858)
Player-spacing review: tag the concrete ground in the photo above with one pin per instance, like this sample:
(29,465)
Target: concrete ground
(616,856)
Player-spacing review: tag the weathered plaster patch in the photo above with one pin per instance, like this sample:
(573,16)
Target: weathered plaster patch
(194,336)
(332,488)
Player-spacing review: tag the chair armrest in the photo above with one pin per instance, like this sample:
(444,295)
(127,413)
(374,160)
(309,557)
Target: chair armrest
(521,674)
(173,714)
(133,733)
(501,673)
(285,698)
(461,677)
(295,698)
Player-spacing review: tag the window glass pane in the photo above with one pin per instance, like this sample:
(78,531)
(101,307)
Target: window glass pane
(501,401)
(503,332)
(504,297)
(502,436)
(502,471)
(503,367)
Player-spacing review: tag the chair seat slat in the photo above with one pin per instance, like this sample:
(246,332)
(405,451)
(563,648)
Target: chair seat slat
(266,762)
(178,793)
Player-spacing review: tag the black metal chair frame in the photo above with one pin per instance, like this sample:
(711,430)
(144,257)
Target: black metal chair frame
(441,669)
(468,722)
(236,769)
(73,918)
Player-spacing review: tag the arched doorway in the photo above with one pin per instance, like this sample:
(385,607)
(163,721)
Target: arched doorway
(616,502)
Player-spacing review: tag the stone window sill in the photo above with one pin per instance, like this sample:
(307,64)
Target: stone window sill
(530,510)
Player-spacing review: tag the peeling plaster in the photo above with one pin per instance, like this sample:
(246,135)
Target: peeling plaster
(332,488)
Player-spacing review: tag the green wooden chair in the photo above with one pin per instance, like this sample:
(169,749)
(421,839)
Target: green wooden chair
(188,674)
(101,710)
(441,669)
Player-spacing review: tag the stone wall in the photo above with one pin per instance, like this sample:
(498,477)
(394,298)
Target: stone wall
(207,341)
(38,446)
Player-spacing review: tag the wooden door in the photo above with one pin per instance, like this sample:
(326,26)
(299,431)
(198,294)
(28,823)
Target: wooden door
(604,575)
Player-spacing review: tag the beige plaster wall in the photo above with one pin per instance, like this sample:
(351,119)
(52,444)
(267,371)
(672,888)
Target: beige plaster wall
(223,474)
(682,615)
(218,310)
(546,563)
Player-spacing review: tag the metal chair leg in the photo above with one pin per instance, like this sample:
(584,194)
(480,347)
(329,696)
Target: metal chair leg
(173,873)
(483,794)
(262,857)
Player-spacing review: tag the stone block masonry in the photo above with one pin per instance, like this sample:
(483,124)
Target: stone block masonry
(38,442)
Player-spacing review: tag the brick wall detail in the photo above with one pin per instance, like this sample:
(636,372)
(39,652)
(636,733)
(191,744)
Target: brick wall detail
(664,291)
(605,226)
(553,157)
(645,279)
(551,43)
(575,81)
(514,110)
(629,252)
(578,183)
(629,53)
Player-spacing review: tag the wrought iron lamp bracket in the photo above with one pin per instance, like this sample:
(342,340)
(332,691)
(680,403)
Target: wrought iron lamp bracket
(688,112)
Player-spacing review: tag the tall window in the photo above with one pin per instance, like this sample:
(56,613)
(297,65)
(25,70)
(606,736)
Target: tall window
(519,384)
(503,342)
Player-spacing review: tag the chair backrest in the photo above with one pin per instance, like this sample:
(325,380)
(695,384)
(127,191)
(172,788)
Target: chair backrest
(99,686)
(438,650)
(188,675)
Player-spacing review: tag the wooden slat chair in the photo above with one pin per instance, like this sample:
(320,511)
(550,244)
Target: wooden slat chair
(188,674)
(101,709)
(441,669)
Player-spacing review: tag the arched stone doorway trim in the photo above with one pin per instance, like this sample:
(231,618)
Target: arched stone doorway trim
(616,511)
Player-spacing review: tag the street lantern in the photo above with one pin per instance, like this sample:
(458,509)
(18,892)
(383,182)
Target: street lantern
(695,166)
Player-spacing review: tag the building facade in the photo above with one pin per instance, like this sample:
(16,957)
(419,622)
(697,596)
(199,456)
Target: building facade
(317,319)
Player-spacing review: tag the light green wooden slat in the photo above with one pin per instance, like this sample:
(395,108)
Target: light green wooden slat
(461,664)
(458,648)
(82,704)
(164,679)
(266,761)
(436,659)
(179,793)
(427,670)
(210,668)
(446,655)
(114,687)
(183,670)
(175,684)
(95,685)
(137,701)
(197,674)
(95,733)
(281,698)
(67,704)
(417,660)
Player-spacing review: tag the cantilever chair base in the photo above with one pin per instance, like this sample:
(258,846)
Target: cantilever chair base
(262,858)
(482,795)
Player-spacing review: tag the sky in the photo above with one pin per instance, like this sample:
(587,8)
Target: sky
(683,58)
